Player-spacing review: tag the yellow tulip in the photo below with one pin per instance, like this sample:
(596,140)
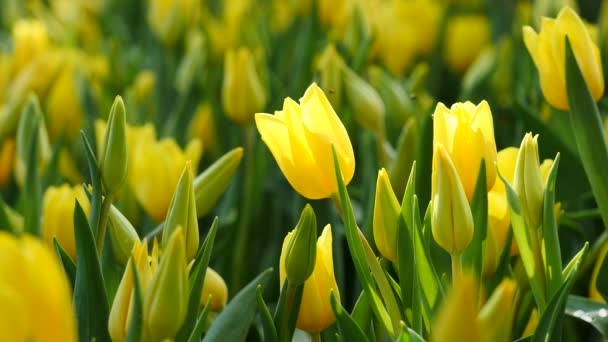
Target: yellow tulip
(120,312)
(300,138)
(548,51)
(243,93)
(528,182)
(315,312)
(35,298)
(58,215)
(214,287)
(65,115)
(170,18)
(203,127)
(456,320)
(451,218)
(496,316)
(466,36)
(155,169)
(7,160)
(467,133)
(30,39)
(299,251)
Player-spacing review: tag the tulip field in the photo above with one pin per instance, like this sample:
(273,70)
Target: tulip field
(303,170)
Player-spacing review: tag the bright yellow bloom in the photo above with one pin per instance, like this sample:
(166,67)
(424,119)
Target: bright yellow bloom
(58,215)
(155,169)
(387,213)
(456,320)
(63,104)
(548,50)
(316,313)
(300,138)
(528,182)
(403,30)
(7,160)
(120,312)
(496,316)
(214,287)
(466,36)
(243,93)
(467,133)
(451,219)
(35,298)
(30,39)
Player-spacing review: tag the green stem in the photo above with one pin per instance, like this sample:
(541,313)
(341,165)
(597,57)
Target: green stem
(315,337)
(242,237)
(584,214)
(103,222)
(456,268)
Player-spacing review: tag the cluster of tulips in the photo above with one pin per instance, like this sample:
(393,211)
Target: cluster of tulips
(145,195)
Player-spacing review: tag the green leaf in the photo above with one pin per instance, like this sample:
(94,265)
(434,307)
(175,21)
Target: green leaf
(587,310)
(588,132)
(32,192)
(200,323)
(355,246)
(5,222)
(286,315)
(362,313)
(520,230)
(270,331)
(550,323)
(135,328)
(349,330)
(90,302)
(66,262)
(474,254)
(551,247)
(601,281)
(51,174)
(233,323)
(196,281)
(96,197)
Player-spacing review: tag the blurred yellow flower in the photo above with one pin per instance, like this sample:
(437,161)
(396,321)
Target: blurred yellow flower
(548,50)
(466,36)
(169,19)
(58,215)
(203,127)
(214,287)
(7,160)
(456,320)
(387,213)
(243,93)
(316,313)
(30,39)
(301,137)
(35,296)
(467,133)
(154,169)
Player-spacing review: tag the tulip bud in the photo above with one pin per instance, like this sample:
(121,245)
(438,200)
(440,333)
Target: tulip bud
(120,312)
(64,112)
(451,220)
(496,316)
(211,184)
(387,212)
(299,250)
(365,102)
(30,38)
(122,234)
(214,287)
(315,312)
(243,93)
(36,300)
(329,67)
(166,302)
(182,213)
(58,205)
(203,127)
(31,124)
(528,182)
(113,159)
(398,105)
(7,160)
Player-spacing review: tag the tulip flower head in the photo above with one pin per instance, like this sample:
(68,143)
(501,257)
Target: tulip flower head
(467,133)
(387,212)
(528,181)
(316,313)
(548,51)
(35,298)
(301,136)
